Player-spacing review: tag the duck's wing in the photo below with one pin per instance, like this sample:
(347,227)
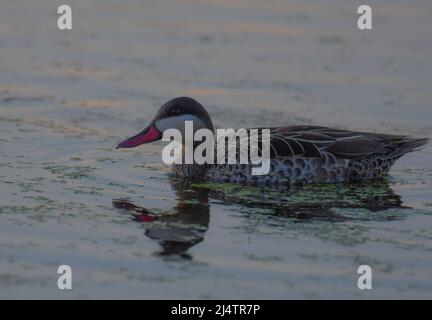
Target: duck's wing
(311,141)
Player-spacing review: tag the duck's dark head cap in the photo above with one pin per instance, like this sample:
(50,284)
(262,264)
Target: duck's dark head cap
(184,106)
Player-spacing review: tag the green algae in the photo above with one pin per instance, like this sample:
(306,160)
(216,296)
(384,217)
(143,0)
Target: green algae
(69,172)
(373,196)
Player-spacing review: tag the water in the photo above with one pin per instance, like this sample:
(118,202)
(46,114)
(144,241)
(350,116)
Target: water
(129,231)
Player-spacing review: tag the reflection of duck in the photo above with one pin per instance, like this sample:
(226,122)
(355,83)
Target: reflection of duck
(186,224)
(299,154)
(330,202)
(178,230)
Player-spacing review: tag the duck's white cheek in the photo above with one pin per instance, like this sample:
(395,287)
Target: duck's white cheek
(178,123)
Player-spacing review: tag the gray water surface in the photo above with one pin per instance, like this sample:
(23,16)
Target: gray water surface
(127,230)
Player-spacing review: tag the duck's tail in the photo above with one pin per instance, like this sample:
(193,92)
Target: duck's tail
(405,145)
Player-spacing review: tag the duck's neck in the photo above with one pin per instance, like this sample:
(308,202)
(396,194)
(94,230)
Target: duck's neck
(187,170)
(193,172)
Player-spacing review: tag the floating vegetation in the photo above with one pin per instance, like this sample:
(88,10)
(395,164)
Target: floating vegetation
(373,195)
(318,201)
(29,186)
(23,100)
(107,160)
(87,190)
(76,172)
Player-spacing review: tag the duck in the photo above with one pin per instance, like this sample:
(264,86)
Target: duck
(299,154)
